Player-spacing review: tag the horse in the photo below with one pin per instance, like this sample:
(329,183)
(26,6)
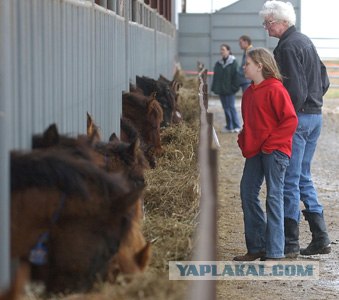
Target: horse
(164,95)
(146,114)
(93,209)
(118,157)
(130,134)
(174,87)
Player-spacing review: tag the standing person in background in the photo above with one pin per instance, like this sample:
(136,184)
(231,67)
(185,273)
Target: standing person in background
(245,44)
(265,141)
(305,78)
(225,83)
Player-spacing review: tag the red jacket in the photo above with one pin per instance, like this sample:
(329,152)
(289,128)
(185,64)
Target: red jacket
(269,119)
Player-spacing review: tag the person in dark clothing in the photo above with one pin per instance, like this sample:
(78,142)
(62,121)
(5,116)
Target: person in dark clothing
(225,83)
(245,44)
(306,79)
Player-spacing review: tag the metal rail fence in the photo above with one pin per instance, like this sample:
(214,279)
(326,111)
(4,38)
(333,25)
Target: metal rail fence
(60,59)
(206,235)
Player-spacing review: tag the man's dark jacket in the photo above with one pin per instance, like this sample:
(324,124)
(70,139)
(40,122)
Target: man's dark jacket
(304,75)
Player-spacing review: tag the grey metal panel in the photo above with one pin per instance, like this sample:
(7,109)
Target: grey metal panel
(194,23)
(232,19)
(194,44)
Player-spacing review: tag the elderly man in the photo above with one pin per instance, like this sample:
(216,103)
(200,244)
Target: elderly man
(305,78)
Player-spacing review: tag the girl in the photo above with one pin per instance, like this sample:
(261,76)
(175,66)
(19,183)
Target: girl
(265,141)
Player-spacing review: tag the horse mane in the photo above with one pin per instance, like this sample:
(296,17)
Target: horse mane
(56,169)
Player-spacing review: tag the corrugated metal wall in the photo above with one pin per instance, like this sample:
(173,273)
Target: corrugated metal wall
(200,35)
(62,58)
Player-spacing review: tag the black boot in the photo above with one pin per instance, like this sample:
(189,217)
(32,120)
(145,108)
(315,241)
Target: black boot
(320,243)
(292,248)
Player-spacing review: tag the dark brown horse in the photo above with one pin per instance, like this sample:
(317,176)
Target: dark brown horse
(174,86)
(164,95)
(115,156)
(93,208)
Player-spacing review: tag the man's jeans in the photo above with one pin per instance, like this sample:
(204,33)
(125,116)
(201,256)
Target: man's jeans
(231,115)
(298,180)
(262,235)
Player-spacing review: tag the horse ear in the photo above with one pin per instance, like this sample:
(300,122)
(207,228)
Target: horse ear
(113,137)
(51,136)
(90,124)
(92,130)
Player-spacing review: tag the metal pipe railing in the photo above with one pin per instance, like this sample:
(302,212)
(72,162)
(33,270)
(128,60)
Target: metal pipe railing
(206,234)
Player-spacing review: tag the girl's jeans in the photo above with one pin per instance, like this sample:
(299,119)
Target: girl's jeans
(264,232)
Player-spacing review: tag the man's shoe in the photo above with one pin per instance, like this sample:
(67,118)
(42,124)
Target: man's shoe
(314,249)
(249,256)
(320,243)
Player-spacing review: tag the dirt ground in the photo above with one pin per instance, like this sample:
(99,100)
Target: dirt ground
(230,220)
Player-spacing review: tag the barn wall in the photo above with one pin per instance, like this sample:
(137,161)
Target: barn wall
(70,57)
(60,59)
(200,35)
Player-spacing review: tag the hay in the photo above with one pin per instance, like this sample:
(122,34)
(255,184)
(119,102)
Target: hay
(172,187)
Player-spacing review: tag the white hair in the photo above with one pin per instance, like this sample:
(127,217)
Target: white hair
(279,10)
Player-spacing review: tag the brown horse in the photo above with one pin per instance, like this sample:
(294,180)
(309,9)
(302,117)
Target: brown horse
(174,86)
(146,115)
(127,159)
(164,95)
(130,134)
(93,210)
